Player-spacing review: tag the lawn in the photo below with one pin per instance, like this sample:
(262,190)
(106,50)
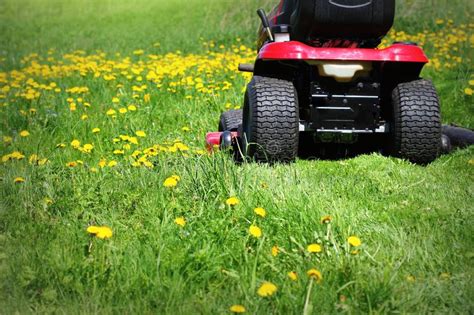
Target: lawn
(110,204)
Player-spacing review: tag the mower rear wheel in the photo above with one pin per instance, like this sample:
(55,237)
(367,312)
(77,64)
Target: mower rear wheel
(416,128)
(270,126)
(230,120)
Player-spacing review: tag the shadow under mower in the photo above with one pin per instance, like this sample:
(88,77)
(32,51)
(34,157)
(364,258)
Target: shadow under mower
(320,84)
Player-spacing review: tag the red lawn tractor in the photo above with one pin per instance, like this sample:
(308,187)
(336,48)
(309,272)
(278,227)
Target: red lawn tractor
(320,83)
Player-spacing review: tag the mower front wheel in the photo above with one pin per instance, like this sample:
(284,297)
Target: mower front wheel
(416,125)
(230,120)
(270,126)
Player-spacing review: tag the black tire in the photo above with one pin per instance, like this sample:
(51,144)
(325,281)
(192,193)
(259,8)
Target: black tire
(230,120)
(416,127)
(270,125)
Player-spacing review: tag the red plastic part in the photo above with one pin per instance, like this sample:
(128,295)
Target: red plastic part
(293,50)
(214,139)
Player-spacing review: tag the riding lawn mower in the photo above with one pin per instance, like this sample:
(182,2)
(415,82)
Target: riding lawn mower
(320,83)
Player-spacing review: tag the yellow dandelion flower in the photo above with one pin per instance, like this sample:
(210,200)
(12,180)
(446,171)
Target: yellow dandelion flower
(354,241)
(96,130)
(181,146)
(60,145)
(468,91)
(132,108)
(293,275)
(170,182)
(6,158)
(315,274)
(122,110)
(24,133)
(232,201)
(146,98)
(186,129)
(84,117)
(17,155)
(148,164)
(118,152)
(326,219)
(237,308)
(112,163)
(255,231)
(133,140)
(33,159)
(111,112)
(75,143)
(471,82)
(260,212)
(88,147)
(314,248)
(7,139)
(71,164)
(18,180)
(267,289)
(410,278)
(115,100)
(275,251)
(140,133)
(93,229)
(180,221)
(445,275)
(72,107)
(138,52)
(101,232)
(200,152)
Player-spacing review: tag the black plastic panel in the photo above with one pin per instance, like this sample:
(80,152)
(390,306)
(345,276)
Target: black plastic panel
(355,108)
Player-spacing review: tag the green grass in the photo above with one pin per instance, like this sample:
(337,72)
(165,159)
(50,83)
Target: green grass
(415,222)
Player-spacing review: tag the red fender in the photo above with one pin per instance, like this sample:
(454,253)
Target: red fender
(293,50)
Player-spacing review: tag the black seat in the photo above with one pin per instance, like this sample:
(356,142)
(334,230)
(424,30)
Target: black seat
(316,22)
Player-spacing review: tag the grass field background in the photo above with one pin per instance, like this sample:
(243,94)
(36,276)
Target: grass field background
(153,77)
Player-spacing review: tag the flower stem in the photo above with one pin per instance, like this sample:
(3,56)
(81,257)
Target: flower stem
(306,309)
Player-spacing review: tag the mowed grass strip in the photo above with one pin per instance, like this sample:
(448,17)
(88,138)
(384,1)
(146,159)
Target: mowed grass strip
(103,113)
